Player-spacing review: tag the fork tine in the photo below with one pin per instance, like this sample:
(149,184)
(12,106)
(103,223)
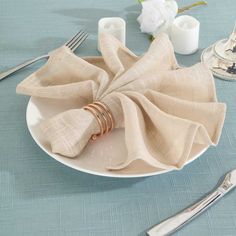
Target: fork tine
(75,40)
(78,43)
(72,39)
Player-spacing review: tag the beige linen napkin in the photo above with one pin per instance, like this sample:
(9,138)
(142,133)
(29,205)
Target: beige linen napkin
(165,110)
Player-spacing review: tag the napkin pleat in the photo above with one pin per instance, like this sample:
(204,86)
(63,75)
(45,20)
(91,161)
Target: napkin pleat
(165,110)
(159,57)
(152,131)
(66,76)
(116,56)
(192,111)
(135,141)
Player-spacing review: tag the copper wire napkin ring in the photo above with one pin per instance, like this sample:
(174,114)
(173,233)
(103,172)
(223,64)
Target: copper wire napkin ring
(103,116)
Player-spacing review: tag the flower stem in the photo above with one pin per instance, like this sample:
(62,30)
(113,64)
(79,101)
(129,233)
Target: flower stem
(183,9)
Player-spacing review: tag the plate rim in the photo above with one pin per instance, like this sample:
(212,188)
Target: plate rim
(95,173)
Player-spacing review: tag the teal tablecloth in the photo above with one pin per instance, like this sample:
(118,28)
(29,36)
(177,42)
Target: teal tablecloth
(39,196)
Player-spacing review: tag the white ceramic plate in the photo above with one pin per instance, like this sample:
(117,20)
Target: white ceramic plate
(97,155)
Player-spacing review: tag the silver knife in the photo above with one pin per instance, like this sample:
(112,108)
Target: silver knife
(174,223)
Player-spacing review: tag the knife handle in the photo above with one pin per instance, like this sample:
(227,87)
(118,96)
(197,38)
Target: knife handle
(176,222)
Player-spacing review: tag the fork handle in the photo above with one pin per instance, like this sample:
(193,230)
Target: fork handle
(3,75)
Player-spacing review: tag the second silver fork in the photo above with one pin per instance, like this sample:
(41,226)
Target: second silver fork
(72,44)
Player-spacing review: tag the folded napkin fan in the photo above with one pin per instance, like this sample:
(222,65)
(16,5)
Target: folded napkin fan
(164,109)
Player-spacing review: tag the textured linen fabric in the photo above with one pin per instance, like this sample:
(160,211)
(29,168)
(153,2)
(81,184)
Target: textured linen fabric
(164,109)
(41,197)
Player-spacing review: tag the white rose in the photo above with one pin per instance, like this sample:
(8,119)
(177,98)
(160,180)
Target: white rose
(157,16)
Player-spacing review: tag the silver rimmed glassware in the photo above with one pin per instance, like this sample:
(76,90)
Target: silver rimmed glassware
(221,57)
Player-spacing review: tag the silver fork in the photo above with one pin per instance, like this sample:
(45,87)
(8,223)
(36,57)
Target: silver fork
(72,44)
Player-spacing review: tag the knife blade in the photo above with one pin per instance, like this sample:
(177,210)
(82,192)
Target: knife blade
(176,222)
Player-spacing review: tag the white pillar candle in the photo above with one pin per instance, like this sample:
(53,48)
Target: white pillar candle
(185,34)
(114,26)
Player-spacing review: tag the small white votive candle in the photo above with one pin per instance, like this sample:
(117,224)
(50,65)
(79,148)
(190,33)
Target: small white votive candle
(115,26)
(185,34)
